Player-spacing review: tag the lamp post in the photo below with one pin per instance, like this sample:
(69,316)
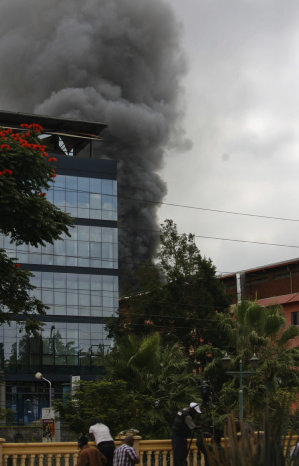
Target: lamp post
(39,376)
(52,341)
(241,374)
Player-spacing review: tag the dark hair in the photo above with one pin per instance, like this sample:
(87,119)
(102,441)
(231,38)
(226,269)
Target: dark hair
(95,420)
(82,441)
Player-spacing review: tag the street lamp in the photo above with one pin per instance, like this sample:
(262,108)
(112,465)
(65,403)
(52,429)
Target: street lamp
(39,376)
(241,374)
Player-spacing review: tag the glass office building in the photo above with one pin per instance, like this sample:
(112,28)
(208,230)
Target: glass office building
(77,278)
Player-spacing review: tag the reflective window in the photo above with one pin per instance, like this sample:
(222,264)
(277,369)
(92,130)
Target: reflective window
(107,186)
(77,294)
(95,185)
(85,197)
(70,294)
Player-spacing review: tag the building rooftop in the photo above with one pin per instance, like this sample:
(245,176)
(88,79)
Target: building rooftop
(262,267)
(62,135)
(283,299)
(53,125)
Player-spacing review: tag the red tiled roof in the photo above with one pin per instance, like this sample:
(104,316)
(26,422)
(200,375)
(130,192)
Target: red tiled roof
(283,299)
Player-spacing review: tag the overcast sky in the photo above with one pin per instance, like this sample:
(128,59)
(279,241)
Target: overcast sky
(242,116)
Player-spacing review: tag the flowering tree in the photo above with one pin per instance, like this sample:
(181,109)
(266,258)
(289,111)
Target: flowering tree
(26,173)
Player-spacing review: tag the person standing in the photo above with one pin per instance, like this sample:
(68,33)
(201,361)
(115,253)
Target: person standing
(104,441)
(89,456)
(295,452)
(182,428)
(125,455)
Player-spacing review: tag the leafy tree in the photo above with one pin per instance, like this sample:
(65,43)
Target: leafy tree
(179,295)
(144,385)
(26,172)
(263,331)
(112,402)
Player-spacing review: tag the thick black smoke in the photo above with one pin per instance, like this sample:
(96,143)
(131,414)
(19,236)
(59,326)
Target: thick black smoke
(114,61)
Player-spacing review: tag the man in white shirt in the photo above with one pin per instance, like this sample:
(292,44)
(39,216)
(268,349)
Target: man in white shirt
(104,441)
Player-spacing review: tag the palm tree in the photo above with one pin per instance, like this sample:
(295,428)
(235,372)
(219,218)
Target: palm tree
(255,329)
(161,373)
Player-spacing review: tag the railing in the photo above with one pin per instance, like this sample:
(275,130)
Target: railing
(151,453)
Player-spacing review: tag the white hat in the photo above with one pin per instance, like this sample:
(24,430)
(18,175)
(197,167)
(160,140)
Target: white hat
(195,406)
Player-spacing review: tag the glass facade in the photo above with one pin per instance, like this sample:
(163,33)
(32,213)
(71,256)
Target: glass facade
(59,345)
(89,246)
(76,277)
(85,197)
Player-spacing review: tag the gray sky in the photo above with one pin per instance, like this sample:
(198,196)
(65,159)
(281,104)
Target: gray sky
(242,116)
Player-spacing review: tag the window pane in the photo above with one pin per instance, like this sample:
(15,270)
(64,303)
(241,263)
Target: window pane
(47,297)
(84,299)
(107,203)
(74,233)
(95,250)
(59,198)
(72,281)
(95,234)
(83,200)
(107,187)
(114,202)
(83,249)
(59,247)
(36,279)
(96,282)
(71,248)
(59,280)
(59,297)
(71,199)
(47,279)
(95,201)
(114,188)
(95,214)
(59,182)
(83,232)
(84,282)
(83,184)
(95,185)
(71,183)
(107,251)
(50,195)
(107,235)
(108,283)
(72,298)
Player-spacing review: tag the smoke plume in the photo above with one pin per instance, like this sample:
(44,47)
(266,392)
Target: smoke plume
(114,61)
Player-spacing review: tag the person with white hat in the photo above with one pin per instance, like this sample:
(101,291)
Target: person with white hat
(182,428)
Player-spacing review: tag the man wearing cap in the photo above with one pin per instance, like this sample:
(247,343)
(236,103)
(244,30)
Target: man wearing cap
(182,428)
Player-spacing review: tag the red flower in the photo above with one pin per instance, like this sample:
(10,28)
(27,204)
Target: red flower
(34,126)
(6,170)
(17,266)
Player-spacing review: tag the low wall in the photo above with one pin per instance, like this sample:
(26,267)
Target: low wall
(29,434)
(18,434)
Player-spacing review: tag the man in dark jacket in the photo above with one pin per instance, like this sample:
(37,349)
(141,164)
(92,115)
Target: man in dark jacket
(89,455)
(182,428)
